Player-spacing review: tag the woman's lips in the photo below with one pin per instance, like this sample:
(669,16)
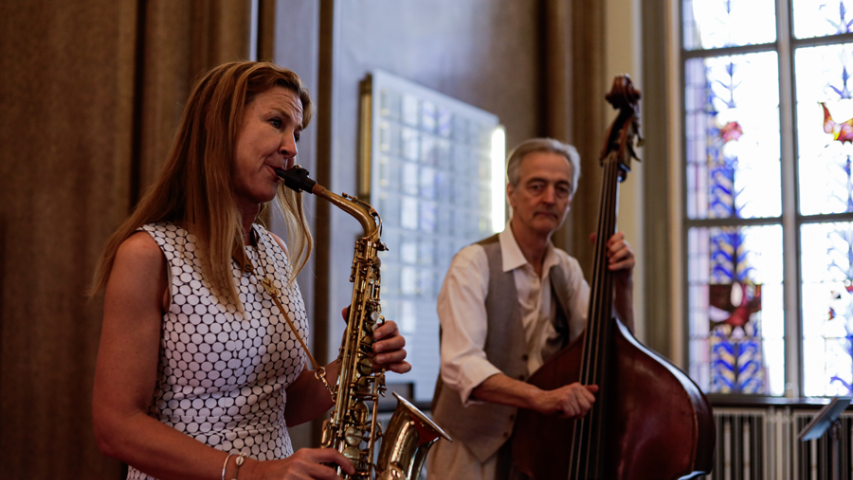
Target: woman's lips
(273,170)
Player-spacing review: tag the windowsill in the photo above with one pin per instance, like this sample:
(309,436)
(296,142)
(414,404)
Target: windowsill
(730,400)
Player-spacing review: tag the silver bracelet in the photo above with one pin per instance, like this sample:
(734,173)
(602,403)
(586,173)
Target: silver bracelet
(225,465)
(239,463)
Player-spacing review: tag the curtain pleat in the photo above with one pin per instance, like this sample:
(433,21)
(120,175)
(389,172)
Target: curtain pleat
(587,125)
(573,76)
(90,95)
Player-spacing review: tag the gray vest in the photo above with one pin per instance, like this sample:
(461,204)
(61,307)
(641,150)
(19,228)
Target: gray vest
(483,428)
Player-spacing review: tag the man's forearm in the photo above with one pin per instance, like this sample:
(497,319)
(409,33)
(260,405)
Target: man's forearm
(569,401)
(501,389)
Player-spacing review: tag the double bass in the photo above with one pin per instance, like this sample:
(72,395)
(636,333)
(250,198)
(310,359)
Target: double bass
(649,420)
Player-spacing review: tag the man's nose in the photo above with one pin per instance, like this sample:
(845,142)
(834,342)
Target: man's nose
(549,196)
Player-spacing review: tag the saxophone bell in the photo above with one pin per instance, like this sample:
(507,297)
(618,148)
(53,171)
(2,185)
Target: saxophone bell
(407,441)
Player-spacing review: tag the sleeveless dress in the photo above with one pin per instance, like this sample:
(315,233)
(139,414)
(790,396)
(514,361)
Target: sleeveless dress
(222,375)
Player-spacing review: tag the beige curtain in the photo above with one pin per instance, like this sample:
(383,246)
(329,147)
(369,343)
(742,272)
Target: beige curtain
(573,76)
(91,92)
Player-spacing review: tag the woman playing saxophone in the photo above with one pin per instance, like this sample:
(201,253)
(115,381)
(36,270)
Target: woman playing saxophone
(199,372)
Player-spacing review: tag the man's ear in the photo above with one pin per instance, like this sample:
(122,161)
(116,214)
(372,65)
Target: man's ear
(510,190)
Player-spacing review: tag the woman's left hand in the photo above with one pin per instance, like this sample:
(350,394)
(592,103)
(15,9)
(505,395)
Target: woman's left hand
(389,350)
(388,347)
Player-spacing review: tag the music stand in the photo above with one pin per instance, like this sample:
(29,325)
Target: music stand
(827,419)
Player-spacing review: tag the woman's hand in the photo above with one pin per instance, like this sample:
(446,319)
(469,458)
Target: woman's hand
(304,464)
(388,347)
(389,350)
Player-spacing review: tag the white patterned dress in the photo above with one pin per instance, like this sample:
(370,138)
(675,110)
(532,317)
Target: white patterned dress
(222,375)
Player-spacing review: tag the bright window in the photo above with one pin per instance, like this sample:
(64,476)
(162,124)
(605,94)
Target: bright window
(768,102)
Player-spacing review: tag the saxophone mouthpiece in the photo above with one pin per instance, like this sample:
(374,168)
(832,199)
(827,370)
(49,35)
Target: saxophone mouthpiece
(296,178)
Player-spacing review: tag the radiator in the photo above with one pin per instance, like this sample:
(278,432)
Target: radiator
(761,444)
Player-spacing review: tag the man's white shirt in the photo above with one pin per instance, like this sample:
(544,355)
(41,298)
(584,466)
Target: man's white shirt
(462,310)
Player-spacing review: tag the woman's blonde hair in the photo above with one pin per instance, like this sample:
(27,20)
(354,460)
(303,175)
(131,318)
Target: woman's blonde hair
(195,189)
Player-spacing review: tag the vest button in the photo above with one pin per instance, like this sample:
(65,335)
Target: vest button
(521,377)
(525,357)
(506,434)
(512,417)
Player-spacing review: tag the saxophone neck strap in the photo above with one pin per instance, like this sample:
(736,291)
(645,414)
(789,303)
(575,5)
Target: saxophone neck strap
(319,372)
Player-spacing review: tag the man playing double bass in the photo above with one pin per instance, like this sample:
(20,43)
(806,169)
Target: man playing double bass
(508,303)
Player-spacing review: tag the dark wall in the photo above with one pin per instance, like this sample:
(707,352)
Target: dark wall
(481,52)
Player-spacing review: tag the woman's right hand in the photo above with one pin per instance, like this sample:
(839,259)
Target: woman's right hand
(306,463)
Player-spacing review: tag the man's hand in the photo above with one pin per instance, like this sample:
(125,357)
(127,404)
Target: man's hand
(620,258)
(621,261)
(570,401)
(388,347)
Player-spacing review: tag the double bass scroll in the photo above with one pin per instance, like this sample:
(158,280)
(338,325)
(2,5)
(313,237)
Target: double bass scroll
(649,421)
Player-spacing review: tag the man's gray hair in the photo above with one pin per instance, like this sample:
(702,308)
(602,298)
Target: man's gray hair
(543,145)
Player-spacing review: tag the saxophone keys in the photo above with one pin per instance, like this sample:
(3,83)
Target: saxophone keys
(326,439)
(353,454)
(360,412)
(366,347)
(365,366)
(353,436)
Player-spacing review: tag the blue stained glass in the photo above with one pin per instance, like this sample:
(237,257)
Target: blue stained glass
(733,140)
(728,23)
(735,299)
(822,18)
(827,291)
(825,128)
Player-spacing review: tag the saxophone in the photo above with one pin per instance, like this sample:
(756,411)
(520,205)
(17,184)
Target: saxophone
(352,428)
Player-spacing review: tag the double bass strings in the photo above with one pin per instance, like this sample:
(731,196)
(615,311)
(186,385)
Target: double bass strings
(586,438)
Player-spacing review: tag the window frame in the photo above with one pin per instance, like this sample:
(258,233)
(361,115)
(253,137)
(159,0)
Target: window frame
(791,219)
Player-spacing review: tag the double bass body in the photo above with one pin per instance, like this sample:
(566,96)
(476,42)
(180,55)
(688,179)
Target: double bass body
(658,425)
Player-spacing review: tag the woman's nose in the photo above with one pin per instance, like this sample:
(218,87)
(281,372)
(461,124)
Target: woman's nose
(288,147)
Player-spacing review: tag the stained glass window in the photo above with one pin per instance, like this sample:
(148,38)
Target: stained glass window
(825,133)
(733,137)
(728,23)
(736,322)
(822,18)
(828,308)
(743,268)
